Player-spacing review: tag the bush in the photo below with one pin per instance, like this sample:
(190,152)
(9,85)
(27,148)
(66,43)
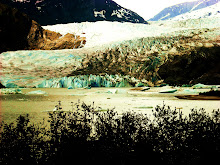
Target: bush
(87,135)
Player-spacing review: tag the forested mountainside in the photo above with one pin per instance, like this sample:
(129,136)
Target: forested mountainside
(49,12)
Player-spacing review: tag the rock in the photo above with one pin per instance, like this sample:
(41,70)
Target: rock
(14,30)
(19,32)
(39,38)
(69,41)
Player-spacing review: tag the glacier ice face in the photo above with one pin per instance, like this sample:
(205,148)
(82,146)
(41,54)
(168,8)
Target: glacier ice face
(82,81)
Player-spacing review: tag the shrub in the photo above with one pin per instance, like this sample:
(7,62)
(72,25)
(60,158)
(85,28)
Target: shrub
(88,135)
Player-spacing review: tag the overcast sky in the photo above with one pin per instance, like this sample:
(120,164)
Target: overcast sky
(148,8)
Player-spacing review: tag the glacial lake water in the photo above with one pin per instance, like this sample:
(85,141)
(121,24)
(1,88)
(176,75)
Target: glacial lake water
(121,99)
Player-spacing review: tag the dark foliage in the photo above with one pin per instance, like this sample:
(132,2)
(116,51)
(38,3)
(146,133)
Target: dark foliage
(87,135)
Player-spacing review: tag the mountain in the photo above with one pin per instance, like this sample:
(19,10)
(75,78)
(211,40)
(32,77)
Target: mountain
(49,12)
(19,32)
(210,11)
(173,11)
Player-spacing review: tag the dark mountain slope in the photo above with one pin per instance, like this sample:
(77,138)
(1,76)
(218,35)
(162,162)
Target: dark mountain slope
(182,8)
(49,12)
(19,32)
(14,29)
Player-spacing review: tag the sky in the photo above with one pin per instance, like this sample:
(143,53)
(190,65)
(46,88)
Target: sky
(148,8)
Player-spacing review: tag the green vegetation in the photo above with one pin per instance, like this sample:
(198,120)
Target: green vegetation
(88,136)
(145,107)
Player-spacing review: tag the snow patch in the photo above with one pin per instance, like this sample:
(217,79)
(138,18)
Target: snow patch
(168,14)
(196,6)
(100,13)
(120,13)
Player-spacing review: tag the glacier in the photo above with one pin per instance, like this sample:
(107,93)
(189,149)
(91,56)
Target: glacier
(70,68)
